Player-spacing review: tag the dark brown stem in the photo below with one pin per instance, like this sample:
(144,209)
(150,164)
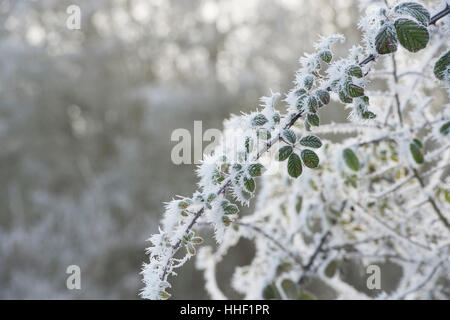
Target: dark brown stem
(440,14)
(313,257)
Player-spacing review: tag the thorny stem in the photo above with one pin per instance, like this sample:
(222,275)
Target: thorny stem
(293,120)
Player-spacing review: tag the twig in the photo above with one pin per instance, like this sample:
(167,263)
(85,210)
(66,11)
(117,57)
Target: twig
(275,241)
(313,257)
(431,200)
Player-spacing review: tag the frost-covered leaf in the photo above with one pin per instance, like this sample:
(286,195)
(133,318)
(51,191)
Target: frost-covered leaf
(442,66)
(369,115)
(445,129)
(226,221)
(386,39)
(355,91)
(256,169)
(249,184)
(284,153)
(231,209)
(323,96)
(416,153)
(351,160)
(411,35)
(289,135)
(164,295)
(355,71)
(190,248)
(326,56)
(415,10)
(311,103)
(344,97)
(313,119)
(301,101)
(276,117)
(294,165)
(308,82)
(311,141)
(310,158)
(197,240)
(259,120)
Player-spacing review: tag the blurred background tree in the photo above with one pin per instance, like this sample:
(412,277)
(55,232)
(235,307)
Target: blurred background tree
(86,118)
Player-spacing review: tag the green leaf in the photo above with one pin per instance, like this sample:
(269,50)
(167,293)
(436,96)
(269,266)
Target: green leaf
(259,120)
(248,144)
(306,296)
(294,165)
(355,71)
(226,221)
(298,205)
(211,197)
(164,295)
(418,143)
(256,169)
(289,135)
(445,129)
(355,91)
(310,158)
(308,82)
(344,97)
(416,153)
(270,292)
(231,209)
(284,153)
(442,66)
(197,240)
(311,141)
(311,103)
(331,268)
(415,10)
(190,248)
(300,92)
(313,119)
(369,115)
(326,56)
(351,160)
(276,117)
(411,35)
(386,40)
(301,101)
(323,96)
(290,288)
(249,184)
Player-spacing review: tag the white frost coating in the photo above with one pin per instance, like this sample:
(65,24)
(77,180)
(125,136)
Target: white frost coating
(371,200)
